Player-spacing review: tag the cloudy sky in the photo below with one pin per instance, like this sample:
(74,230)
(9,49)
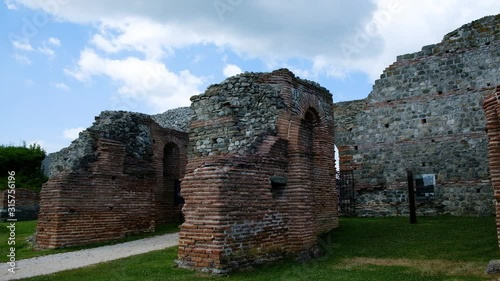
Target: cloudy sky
(64,61)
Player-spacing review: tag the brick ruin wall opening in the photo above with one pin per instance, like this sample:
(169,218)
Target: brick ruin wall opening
(260,179)
(113,181)
(425,114)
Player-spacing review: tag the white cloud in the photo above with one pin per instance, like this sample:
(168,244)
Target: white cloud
(154,39)
(138,79)
(313,31)
(54,42)
(231,70)
(411,26)
(26,46)
(22,59)
(23,46)
(258,28)
(10,5)
(46,51)
(72,134)
(61,86)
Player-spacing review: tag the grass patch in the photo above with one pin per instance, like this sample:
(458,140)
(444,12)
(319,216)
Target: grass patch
(25,229)
(436,249)
(446,238)
(431,267)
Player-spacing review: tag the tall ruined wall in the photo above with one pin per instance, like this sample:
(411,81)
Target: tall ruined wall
(425,114)
(492,110)
(111,181)
(260,177)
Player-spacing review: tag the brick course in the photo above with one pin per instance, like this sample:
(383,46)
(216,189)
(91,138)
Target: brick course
(235,215)
(116,194)
(492,110)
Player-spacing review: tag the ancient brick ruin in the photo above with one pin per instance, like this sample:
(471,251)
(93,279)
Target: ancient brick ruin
(260,179)
(259,183)
(492,110)
(119,177)
(425,114)
(253,157)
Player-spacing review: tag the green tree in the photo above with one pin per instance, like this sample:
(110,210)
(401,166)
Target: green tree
(26,162)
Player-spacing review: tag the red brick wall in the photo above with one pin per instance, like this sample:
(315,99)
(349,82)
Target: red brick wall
(166,210)
(233,215)
(108,201)
(492,109)
(88,207)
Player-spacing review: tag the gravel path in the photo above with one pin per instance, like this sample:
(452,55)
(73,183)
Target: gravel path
(64,261)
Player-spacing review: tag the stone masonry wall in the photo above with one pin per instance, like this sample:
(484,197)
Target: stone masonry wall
(425,114)
(259,183)
(110,182)
(492,110)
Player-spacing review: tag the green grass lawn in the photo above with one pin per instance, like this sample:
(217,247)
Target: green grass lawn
(443,248)
(25,229)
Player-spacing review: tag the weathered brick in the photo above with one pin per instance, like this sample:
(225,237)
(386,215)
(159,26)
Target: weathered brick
(234,216)
(116,194)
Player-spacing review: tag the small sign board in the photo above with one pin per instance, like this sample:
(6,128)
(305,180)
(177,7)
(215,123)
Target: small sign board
(425,184)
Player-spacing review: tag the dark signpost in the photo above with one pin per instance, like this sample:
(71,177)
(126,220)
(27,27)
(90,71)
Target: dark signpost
(411,197)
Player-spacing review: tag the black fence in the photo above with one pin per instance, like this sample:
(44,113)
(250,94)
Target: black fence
(346,193)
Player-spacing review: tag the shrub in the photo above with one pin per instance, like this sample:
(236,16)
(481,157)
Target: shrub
(26,162)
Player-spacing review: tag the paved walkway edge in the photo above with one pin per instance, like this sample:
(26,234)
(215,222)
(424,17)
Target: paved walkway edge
(71,260)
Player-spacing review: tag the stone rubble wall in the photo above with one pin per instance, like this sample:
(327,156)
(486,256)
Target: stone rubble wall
(176,119)
(425,114)
(127,127)
(244,119)
(259,182)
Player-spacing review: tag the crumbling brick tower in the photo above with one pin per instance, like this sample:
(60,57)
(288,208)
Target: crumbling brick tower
(492,110)
(260,179)
(118,178)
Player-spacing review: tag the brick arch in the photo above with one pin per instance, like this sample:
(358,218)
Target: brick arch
(167,208)
(304,102)
(309,132)
(171,161)
(159,147)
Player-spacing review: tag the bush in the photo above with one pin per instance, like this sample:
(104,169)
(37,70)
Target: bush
(26,162)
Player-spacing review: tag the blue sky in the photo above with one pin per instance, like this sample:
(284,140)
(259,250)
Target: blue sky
(64,61)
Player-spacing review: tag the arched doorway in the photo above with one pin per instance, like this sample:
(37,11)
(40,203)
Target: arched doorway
(308,128)
(171,182)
